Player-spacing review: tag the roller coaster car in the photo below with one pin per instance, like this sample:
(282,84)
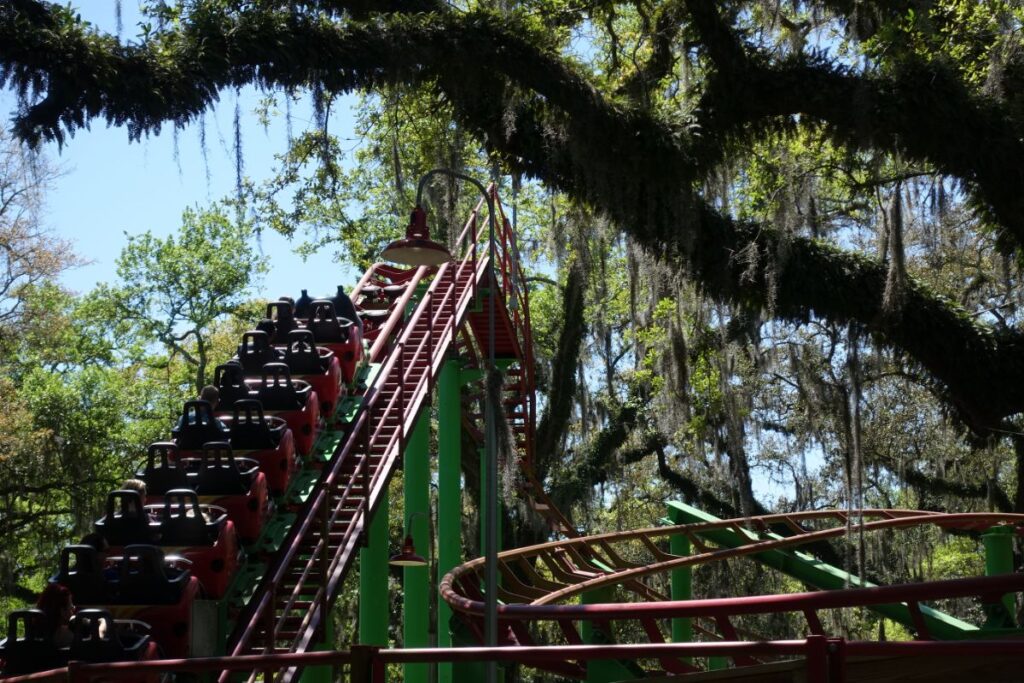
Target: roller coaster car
(317,365)
(99,639)
(372,298)
(306,361)
(150,591)
(341,335)
(142,585)
(235,484)
(34,650)
(293,400)
(373,319)
(245,502)
(207,538)
(126,521)
(197,426)
(267,440)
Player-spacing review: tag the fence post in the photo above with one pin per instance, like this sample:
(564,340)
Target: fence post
(75,674)
(816,660)
(836,660)
(364,658)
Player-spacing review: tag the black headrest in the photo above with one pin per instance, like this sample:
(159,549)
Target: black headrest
(164,469)
(220,474)
(33,624)
(302,355)
(229,379)
(325,324)
(197,425)
(301,305)
(35,649)
(126,521)
(283,315)
(182,521)
(98,639)
(255,351)
(145,580)
(250,428)
(81,571)
(277,391)
(374,315)
(343,305)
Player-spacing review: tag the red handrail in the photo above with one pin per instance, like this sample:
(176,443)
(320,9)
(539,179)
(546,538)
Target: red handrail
(819,653)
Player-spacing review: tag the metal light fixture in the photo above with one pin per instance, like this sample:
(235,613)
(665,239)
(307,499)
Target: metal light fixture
(416,248)
(408,556)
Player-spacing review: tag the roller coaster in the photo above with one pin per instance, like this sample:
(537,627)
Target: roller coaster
(227,565)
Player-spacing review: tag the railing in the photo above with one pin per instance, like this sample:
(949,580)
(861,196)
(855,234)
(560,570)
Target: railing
(824,660)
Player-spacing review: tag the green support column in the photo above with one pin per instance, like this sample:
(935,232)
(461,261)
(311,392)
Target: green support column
(682,581)
(998,542)
(602,670)
(449,493)
(374,604)
(417,523)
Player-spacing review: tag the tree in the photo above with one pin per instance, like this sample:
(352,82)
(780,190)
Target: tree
(29,253)
(817,206)
(510,85)
(174,289)
(74,424)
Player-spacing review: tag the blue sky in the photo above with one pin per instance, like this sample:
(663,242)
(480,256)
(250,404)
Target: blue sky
(111,187)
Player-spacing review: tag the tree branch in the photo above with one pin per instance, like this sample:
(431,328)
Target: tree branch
(511,90)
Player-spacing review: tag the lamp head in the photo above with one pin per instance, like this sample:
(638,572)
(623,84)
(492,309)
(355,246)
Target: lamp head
(416,248)
(408,556)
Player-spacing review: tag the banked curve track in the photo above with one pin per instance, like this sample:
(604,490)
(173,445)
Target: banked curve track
(542,582)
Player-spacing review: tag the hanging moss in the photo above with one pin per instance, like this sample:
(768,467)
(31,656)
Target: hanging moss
(510,88)
(239,153)
(203,149)
(555,421)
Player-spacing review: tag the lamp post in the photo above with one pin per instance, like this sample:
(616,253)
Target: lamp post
(417,231)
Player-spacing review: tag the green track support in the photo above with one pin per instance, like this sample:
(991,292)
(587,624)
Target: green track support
(374,603)
(998,542)
(603,670)
(681,581)
(821,575)
(449,493)
(416,609)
